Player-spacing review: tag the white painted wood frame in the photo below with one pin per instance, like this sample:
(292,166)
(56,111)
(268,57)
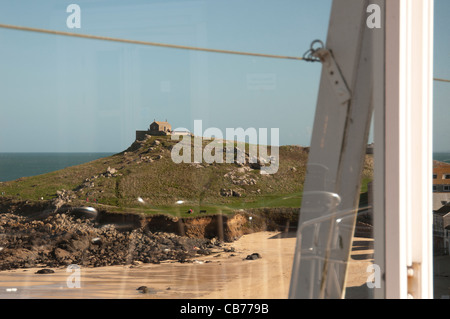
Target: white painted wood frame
(408,150)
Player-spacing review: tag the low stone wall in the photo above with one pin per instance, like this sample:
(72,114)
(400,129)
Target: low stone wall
(140,135)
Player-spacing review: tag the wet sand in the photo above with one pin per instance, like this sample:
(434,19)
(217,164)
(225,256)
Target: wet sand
(219,275)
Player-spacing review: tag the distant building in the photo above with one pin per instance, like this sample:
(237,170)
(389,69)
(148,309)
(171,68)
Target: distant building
(441,230)
(441,177)
(441,207)
(157,128)
(182,132)
(160,128)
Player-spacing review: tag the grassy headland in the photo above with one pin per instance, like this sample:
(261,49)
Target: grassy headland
(144,179)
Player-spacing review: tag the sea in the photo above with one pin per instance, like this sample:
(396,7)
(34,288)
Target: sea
(442,157)
(17,165)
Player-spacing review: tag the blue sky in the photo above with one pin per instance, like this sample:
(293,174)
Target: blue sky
(75,95)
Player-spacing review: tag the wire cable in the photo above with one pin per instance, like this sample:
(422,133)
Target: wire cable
(173,46)
(165,45)
(442,80)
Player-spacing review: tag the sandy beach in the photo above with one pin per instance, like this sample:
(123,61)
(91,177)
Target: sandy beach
(218,275)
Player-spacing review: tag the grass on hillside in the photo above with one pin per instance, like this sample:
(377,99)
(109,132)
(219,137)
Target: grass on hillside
(146,171)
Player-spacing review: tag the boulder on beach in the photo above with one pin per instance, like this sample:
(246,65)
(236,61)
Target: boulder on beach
(45,271)
(253,256)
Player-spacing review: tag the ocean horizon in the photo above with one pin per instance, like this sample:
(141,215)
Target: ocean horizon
(442,157)
(17,165)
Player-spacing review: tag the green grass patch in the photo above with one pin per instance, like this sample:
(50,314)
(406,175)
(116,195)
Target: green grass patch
(145,170)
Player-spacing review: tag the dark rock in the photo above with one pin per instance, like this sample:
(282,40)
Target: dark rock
(45,271)
(236,194)
(143,289)
(231,192)
(61,254)
(256,165)
(253,256)
(60,239)
(203,252)
(226,192)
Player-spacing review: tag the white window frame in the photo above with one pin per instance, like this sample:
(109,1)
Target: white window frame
(403,208)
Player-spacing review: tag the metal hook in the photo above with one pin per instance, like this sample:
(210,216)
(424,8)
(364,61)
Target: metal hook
(309,55)
(317,41)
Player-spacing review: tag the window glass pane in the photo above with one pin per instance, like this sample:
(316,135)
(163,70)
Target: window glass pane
(109,174)
(441,156)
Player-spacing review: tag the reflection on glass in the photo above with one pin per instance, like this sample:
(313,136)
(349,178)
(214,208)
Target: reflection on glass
(441,225)
(92,202)
(126,220)
(441,157)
